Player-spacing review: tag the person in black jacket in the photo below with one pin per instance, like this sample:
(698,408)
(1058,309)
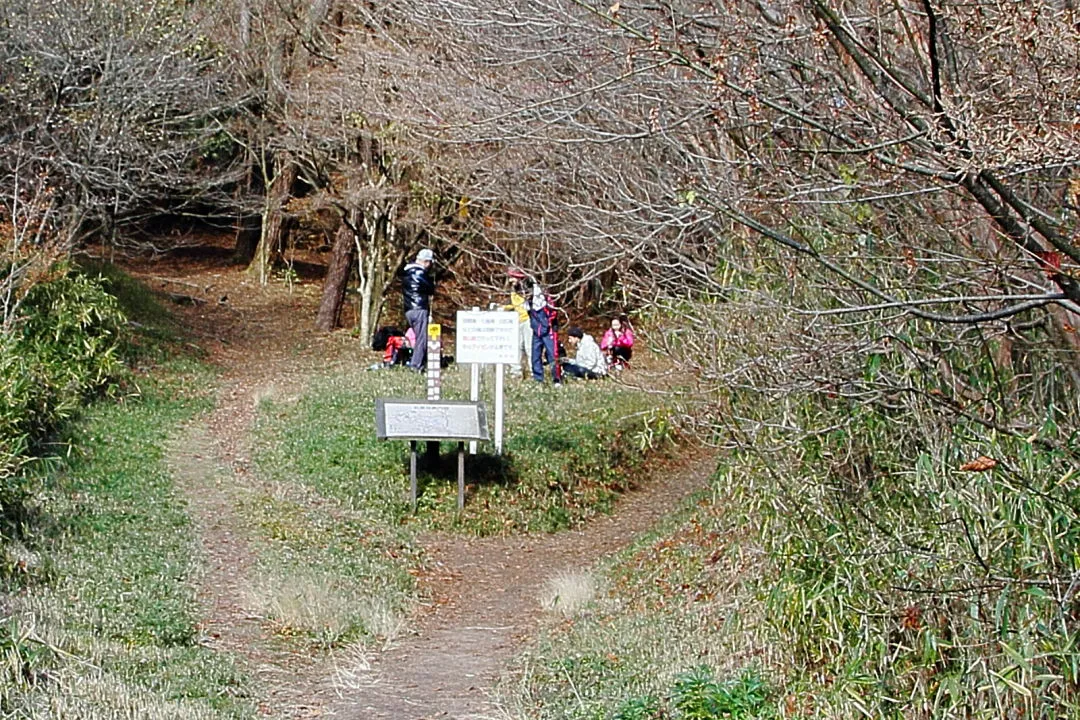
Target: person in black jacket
(417,287)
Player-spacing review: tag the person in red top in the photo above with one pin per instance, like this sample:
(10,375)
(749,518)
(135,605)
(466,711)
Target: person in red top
(618,342)
(398,347)
(394,344)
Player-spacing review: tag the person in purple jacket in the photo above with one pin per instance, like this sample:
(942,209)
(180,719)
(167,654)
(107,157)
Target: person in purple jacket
(544,321)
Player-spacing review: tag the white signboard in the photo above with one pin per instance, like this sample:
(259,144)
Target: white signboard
(487,337)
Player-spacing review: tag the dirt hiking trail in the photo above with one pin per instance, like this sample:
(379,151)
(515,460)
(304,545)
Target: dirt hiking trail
(483,595)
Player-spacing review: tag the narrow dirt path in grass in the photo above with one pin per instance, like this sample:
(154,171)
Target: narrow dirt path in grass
(486,601)
(484,594)
(263,341)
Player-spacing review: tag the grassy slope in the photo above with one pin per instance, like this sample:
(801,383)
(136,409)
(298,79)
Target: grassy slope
(107,623)
(102,621)
(673,631)
(761,580)
(567,451)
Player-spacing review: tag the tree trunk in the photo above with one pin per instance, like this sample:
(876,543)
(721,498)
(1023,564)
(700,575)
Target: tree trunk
(248,232)
(367,284)
(379,230)
(337,278)
(378,299)
(274,226)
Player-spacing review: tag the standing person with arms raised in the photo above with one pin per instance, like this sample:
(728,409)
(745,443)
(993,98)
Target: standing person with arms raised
(417,287)
(545,339)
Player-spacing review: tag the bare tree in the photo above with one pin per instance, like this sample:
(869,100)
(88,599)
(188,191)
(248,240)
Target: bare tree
(349,120)
(875,141)
(109,116)
(119,108)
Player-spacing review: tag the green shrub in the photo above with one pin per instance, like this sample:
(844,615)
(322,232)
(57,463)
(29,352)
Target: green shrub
(697,695)
(916,582)
(156,332)
(645,707)
(900,578)
(63,348)
(18,395)
(72,328)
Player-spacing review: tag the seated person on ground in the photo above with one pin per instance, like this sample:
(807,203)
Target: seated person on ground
(396,345)
(588,361)
(397,351)
(618,342)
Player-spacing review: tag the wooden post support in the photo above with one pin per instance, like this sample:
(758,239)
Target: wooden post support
(460,476)
(434,385)
(500,370)
(474,389)
(412,473)
(474,395)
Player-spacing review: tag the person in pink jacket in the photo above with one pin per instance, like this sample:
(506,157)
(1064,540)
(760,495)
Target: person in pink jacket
(618,342)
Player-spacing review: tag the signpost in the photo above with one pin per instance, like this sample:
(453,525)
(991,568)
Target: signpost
(434,380)
(488,337)
(431,420)
(434,361)
(483,338)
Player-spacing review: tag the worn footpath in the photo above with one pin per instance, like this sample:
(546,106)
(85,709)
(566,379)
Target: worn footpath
(483,594)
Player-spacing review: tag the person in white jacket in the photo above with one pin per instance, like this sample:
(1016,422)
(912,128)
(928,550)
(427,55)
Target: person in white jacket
(589,362)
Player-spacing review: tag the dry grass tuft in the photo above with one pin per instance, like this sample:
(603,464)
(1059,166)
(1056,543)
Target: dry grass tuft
(352,670)
(381,620)
(306,601)
(323,605)
(568,591)
(104,697)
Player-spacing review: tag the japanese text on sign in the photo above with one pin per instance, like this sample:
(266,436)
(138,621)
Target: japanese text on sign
(419,420)
(487,336)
